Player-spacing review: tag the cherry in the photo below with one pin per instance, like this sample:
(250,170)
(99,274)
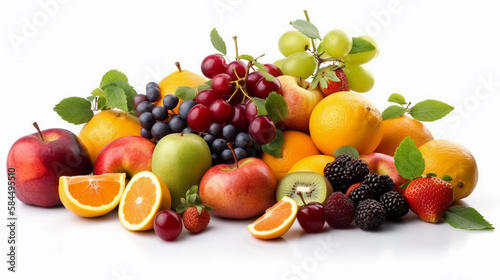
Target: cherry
(206,97)
(238,118)
(199,117)
(250,111)
(262,130)
(221,111)
(239,66)
(273,69)
(168,225)
(252,79)
(212,65)
(221,84)
(311,216)
(264,87)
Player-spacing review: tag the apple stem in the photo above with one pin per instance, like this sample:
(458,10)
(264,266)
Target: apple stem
(178,66)
(301,197)
(230,146)
(39,131)
(236,46)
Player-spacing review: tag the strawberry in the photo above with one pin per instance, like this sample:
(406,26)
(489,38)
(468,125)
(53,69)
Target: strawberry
(194,214)
(332,85)
(195,221)
(429,197)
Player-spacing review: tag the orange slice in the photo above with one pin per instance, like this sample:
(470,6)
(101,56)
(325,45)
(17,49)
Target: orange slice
(276,221)
(144,196)
(91,195)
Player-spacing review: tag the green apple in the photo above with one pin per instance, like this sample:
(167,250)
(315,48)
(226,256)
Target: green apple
(180,160)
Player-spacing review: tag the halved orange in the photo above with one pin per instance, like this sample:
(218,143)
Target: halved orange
(144,196)
(91,195)
(276,221)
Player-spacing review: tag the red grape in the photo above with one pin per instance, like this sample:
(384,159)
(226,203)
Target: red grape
(262,130)
(168,225)
(206,97)
(273,69)
(252,79)
(238,118)
(264,87)
(221,111)
(199,117)
(212,65)
(138,99)
(311,217)
(221,85)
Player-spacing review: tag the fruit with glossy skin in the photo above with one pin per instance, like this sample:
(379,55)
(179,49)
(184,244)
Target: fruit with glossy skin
(129,154)
(240,190)
(311,217)
(384,165)
(336,86)
(360,79)
(336,43)
(293,41)
(195,221)
(168,225)
(300,65)
(39,159)
(300,100)
(212,65)
(363,57)
(429,198)
(180,160)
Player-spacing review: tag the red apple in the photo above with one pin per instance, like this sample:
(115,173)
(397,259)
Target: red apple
(39,159)
(384,165)
(300,99)
(240,190)
(129,154)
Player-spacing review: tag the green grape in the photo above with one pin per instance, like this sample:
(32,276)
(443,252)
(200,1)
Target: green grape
(300,64)
(336,43)
(364,57)
(279,62)
(293,41)
(359,79)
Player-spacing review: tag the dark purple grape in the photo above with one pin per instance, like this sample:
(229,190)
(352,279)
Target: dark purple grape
(147,120)
(215,129)
(185,107)
(144,106)
(209,138)
(243,140)
(160,113)
(138,99)
(240,153)
(176,124)
(170,101)
(159,130)
(219,145)
(152,84)
(227,156)
(153,94)
(146,133)
(229,131)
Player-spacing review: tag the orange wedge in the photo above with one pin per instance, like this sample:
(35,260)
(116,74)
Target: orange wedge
(276,221)
(91,195)
(144,196)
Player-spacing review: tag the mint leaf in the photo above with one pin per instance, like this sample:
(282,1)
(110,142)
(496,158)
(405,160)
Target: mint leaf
(217,41)
(261,106)
(111,76)
(408,160)
(360,45)
(185,93)
(116,98)
(306,28)
(464,217)
(397,98)
(263,70)
(129,92)
(276,107)
(347,150)
(274,148)
(98,92)
(392,112)
(430,110)
(75,110)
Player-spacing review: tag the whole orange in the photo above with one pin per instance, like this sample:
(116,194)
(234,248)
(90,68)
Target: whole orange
(444,157)
(314,163)
(296,146)
(345,118)
(107,126)
(397,129)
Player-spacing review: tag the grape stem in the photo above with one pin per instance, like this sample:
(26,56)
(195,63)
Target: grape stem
(39,131)
(312,40)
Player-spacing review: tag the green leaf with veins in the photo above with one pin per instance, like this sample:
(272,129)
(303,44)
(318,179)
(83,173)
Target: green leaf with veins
(306,28)
(274,148)
(276,107)
(217,41)
(75,110)
(111,76)
(392,112)
(408,160)
(397,98)
(430,110)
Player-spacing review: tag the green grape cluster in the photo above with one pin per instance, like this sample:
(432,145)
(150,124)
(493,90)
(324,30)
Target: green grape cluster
(336,50)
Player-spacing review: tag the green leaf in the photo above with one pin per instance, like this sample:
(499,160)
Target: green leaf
(347,150)
(116,98)
(130,92)
(75,110)
(403,186)
(274,148)
(91,98)
(306,28)
(263,70)
(360,45)
(447,178)
(397,98)
(98,92)
(431,175)
(261,106)
(323,83)
(185,93)
(392,112)
(202,87)
(101,103)
(430,110)
(276,107)
(464,217)
(315,81)
(217,41)
(332,76)
(111,76)
(246,57)
(408,160)
(208,83)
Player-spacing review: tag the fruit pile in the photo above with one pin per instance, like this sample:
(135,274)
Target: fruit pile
(284,141)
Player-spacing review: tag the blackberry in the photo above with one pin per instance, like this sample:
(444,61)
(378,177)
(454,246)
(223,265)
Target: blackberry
(395,205)
(370,214)
(339,210)
(379,183)
(361,193)
(345,171)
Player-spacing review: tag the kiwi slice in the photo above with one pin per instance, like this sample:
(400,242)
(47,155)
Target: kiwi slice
(312,185)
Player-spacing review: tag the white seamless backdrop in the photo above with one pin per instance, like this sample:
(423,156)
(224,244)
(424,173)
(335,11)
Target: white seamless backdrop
(445,50)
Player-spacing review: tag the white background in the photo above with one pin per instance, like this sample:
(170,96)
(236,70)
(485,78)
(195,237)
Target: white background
(445,50)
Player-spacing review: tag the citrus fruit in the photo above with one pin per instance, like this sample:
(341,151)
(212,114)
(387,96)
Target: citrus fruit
(397,129)
(181,77)
(91,195)
(276,221)
(444,157)
(144,196)
(345,118)
(314,163)
(296,146)
(105,127)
